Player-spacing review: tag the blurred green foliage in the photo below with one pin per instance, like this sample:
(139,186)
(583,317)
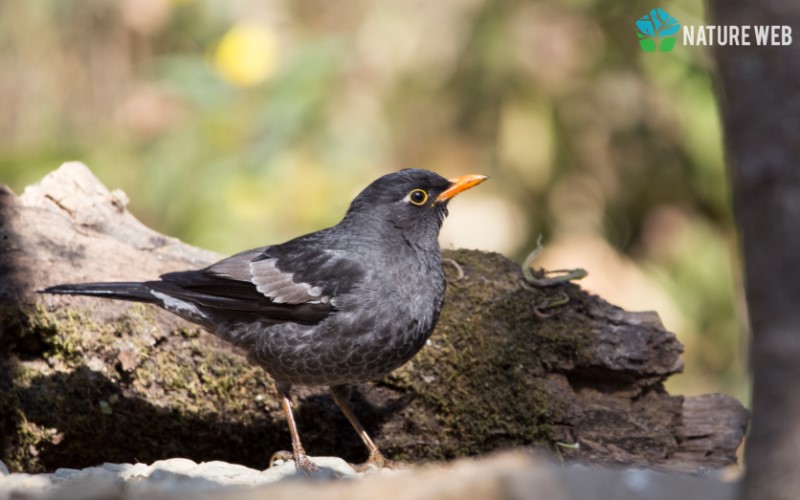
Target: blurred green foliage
(271,137)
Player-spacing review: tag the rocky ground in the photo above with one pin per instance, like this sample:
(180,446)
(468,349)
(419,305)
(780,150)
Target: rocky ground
(506,475)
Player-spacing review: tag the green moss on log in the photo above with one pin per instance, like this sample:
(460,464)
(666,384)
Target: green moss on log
(482,373)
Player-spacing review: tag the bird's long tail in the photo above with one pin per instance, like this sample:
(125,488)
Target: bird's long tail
(162,294)
(133,291)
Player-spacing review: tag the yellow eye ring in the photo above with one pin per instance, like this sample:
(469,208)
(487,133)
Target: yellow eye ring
(418,197)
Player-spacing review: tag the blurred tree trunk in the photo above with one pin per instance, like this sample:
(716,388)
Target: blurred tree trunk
(762,122)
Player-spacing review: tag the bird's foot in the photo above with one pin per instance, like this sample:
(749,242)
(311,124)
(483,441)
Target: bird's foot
(376,461)
(301,461)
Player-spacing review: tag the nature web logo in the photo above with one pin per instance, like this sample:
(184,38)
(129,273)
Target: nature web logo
(657,31)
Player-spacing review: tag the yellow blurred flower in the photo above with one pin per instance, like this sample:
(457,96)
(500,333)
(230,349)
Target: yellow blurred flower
(247,54)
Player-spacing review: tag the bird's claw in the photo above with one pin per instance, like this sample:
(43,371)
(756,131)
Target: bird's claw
(305,465)
(376,461)
(302,462)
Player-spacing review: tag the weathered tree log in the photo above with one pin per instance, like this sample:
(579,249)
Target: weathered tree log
(85,381)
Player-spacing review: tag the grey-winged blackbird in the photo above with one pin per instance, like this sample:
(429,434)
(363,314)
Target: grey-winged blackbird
(346,304)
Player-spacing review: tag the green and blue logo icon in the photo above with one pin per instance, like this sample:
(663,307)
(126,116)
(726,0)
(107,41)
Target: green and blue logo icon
(657,31)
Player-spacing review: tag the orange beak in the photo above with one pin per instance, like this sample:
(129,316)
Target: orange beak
(459,184)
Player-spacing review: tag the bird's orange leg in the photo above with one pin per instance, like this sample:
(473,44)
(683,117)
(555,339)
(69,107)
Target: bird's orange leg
(301,460)
(341,396)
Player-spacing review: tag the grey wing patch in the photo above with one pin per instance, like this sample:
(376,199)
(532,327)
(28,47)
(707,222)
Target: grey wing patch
(277,285)
(236,267)
(281,287)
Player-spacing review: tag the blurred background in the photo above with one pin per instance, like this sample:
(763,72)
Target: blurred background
(234,124)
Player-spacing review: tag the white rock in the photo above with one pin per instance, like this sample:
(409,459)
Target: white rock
(65,472)
(218,468)
(16,484)
(278,471)
(329,467)
(3,469)
(136,471)
(176,465)
(92,486)
(164,481)
(164,477)
(226,473)
(338,466)
(118,468)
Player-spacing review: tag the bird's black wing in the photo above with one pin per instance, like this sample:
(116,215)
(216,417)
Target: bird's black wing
(298,280)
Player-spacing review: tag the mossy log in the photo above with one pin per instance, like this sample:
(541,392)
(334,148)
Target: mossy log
(85,381)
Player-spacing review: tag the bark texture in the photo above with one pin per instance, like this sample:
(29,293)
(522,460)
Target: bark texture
(761,114)
(85,381)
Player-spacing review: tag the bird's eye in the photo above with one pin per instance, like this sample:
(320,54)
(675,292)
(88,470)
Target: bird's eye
(418,197)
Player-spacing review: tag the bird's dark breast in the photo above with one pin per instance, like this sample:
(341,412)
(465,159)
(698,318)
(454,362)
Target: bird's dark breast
(376,330)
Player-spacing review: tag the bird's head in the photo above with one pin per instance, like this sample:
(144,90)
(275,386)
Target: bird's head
(411,200)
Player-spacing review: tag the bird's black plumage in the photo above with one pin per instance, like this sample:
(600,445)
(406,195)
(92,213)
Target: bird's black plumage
(346,304)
